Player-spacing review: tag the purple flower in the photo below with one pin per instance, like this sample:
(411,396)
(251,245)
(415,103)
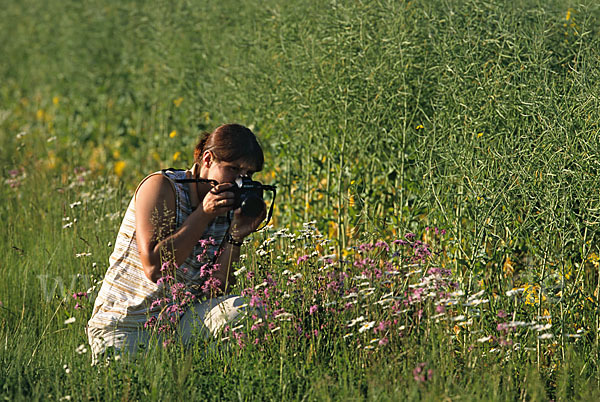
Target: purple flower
(301,259)
(255,301)
(163,279)
(211,285)
(420,375)
(313,309)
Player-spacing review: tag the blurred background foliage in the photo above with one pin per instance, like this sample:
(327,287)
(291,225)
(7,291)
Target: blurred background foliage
(378,117)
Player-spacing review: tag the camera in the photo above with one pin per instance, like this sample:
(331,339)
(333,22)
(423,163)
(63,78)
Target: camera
(249,196)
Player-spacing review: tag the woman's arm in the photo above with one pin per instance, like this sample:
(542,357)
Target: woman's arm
(155,224)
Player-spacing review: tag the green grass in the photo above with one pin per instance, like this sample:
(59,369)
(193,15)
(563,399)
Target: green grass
(378,118)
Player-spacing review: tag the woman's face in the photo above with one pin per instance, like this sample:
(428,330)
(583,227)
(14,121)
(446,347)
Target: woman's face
(225,172)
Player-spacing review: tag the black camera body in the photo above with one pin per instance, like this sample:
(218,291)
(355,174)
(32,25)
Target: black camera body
(249,196)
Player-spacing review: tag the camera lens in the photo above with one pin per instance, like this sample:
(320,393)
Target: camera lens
(252,206)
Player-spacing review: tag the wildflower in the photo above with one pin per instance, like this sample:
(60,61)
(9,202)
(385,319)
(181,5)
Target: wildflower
(211,285)
(302,259)
(313,309)
(383,341)
(70,321)
(382,326)
(484,339)
(81,349)
(119,168)
(502,314)
(239,271)
(356,320)
(514,291)
(366,326)
(177,102)
(172,134)
(420,375)
(66,368)
(540,327)
(547,335)
(163,279)
(476,302)
(255,301)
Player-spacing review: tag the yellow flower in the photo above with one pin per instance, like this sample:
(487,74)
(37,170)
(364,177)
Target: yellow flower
(350,199)
(116,154)
(156,156)
(568,17)
(40,114)
(332,230)
(172,134)
(508,267)
(479,135)
(419,127)
(119,167)
(177,102)
(176,155)
(55,100)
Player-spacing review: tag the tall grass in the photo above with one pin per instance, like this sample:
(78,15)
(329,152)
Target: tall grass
(379,118)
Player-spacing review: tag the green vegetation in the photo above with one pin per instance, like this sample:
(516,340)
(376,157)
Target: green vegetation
(378,118)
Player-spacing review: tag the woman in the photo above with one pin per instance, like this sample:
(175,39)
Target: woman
(175,249)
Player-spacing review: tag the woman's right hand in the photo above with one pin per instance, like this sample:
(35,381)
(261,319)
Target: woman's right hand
(218,201)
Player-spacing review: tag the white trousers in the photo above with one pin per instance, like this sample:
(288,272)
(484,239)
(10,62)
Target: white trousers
(203,320)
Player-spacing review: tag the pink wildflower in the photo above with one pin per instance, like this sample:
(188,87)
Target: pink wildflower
(420,375)
(301,259)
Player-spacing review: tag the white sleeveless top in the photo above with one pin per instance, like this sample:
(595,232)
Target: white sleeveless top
(124,302)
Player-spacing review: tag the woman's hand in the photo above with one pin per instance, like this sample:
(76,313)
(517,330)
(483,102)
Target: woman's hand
(218,201)
(243,225)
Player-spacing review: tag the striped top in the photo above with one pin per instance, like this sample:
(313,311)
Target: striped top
(125,298)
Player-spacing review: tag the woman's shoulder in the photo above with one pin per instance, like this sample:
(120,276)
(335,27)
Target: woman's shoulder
(156,187)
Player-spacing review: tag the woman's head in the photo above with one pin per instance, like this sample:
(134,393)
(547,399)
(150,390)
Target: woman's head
(229,143)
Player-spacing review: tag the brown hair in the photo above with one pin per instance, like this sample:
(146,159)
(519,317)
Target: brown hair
(229,143)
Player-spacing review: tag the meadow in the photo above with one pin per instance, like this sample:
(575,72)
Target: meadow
(436,233)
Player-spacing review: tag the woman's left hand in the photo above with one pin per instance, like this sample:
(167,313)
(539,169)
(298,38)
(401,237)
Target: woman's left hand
(243,225)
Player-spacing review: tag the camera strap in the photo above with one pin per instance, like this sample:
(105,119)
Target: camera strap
(270,212)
